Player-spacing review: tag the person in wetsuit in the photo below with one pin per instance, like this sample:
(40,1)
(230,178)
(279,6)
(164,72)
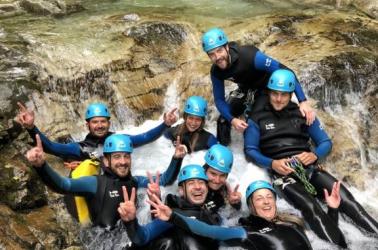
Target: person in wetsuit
(97,117)
(264,229)
(219,160)
(191,131)
(160,235)
(250,69)
(277,139)
(103,193)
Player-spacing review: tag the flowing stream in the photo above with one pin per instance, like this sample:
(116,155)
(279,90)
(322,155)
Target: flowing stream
(75,42)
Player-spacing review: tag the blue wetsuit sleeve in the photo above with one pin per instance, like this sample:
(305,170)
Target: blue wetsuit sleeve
(265,63)
(321,139)
(81,186)
(142,235)
(210,231)
(70,150)
(148,136)
(252,145)
(166,178)
(212,141)
(219,98)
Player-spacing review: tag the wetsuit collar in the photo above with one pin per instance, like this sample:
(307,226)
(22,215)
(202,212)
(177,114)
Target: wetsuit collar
(234,52)
(97,140)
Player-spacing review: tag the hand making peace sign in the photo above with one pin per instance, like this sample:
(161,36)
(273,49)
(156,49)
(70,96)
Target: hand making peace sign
(233,195)
(127,209)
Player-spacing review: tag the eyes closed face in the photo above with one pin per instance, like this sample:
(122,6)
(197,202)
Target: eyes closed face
(196,191)
(278,99)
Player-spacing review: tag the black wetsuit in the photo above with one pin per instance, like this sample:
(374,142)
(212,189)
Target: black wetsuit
(103,193)
(159,235)
(205,139)
(250,69)
(255,233)
(283,134)
(217,198)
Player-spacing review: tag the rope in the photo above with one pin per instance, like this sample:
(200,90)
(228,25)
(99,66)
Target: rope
(300,173)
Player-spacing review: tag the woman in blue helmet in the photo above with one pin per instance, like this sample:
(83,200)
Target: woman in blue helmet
(219,160)
(264,229)
(103,192)
(192,132)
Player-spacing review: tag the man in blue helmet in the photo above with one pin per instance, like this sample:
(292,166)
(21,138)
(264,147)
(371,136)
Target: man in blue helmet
(162,235)
(250,69)
(264,229)
(97,119)
(103,193)
(219,160)
(192,132)
(278,139)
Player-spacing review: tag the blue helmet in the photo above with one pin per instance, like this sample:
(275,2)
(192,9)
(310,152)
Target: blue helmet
(213,38)
(282,80)
(192,172)
(256,185)
(96,110)
(196,105)
(118,143)
(220,158)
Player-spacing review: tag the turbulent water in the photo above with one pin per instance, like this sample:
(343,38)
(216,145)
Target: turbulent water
(156,156)
(80,39)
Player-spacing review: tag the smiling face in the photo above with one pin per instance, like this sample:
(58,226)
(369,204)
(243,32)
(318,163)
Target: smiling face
(264,203)
(193,122)
(98,126)
(216,178)
(119,163)
(194,191)
(220,56)
(279,100)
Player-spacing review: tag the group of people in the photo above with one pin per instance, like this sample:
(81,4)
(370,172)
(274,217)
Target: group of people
(280,136)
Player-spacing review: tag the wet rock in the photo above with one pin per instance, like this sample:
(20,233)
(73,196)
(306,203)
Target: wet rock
(54,7)
(370,7)
(20,188)
(159,33)
(131,17)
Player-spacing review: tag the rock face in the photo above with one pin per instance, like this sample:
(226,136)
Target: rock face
(131,65)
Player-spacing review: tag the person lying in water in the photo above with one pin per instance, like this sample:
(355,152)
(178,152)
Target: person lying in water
(264,229)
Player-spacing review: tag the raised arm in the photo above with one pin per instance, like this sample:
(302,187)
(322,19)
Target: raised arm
(81,186)
(169,119)
(26,119)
